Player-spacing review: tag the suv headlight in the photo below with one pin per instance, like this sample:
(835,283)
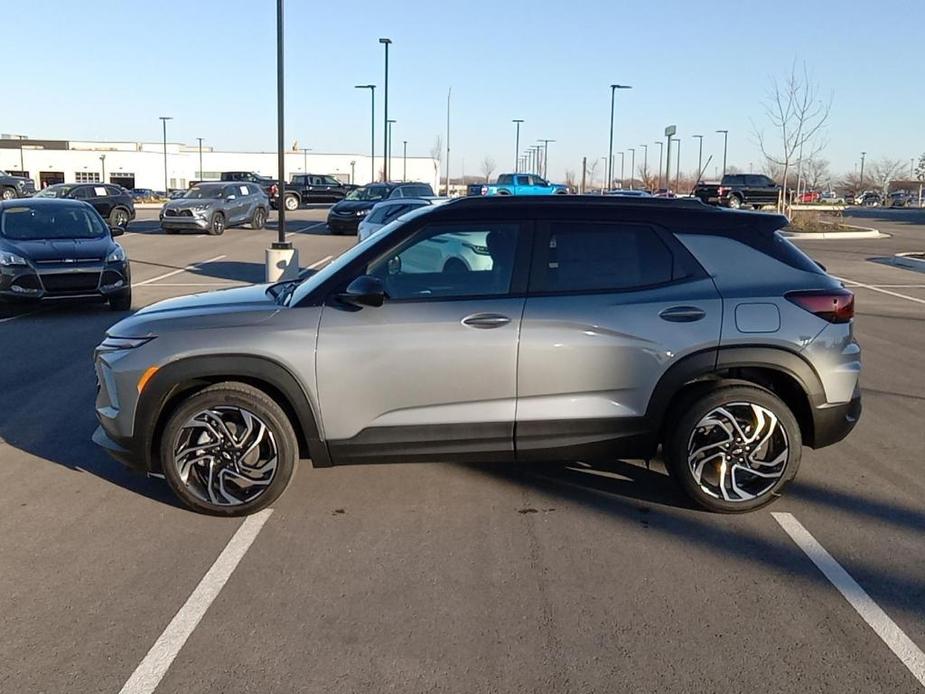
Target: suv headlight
(117,255)
(7,259)
(111,343)
(362,213)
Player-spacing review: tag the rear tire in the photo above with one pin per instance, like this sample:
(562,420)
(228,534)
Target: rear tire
(260,218)
(217,225)
(721,436)
(229,431)
(7,194)
(121,301)
(119,217)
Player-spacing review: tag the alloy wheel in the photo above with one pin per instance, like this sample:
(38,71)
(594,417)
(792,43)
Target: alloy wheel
(226,456)
(738,452)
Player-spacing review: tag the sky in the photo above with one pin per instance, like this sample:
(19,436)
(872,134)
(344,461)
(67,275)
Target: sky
(105,70)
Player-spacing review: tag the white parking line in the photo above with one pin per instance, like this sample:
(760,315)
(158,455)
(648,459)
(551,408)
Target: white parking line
(177,272)
(299,231)
(894,637)
(319,263)
(882,291)
(20,315)
(158,660)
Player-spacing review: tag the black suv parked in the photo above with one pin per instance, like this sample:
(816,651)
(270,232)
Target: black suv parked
(345,216)
(114,203)
(739,190)
(12,186)
(52,249)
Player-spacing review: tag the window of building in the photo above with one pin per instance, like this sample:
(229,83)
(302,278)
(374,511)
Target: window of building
(87,177)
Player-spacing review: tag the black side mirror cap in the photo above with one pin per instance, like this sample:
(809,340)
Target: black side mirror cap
(116,231)
(365,290)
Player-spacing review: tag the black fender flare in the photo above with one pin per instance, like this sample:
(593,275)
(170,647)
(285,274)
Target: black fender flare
(190,373)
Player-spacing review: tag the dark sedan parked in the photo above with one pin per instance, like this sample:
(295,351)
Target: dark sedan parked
(53,249)
(345,216)
(114,203)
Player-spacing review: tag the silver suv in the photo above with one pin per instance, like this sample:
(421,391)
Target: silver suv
(595,328)
(213,207)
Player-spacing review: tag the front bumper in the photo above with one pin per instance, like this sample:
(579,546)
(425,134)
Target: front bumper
(119,450)
(185,222)
(344,224)
(60,280)
(832,423)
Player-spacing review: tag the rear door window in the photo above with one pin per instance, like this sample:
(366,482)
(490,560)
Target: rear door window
(599,257)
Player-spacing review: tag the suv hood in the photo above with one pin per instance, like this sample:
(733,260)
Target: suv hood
(184,204)
(223,308)
(354,205)
(57,249)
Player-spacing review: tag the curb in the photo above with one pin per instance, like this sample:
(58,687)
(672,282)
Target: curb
(907,261)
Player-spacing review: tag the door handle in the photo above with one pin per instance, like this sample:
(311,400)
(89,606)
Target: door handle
(682,314)
(485,321)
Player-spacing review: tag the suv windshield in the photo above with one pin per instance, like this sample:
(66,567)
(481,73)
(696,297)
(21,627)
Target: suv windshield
(71,222)
(368,193)
(204,192)
(54,192)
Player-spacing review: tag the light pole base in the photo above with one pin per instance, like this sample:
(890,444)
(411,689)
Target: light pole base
(282,262)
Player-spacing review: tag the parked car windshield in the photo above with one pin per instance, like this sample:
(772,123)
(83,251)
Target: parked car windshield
(54,192)
(24,222)
(368,193)
(204,192)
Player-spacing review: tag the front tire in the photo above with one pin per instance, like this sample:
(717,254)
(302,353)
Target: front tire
(118,217)
(228,450)
(121,301)
(735,202)
(734,448)
(217,225)
(291,202)
(7,194)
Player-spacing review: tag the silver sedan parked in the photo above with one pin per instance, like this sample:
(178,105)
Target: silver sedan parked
(211,207)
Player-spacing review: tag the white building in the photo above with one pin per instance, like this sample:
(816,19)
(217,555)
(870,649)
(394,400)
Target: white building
(141,164)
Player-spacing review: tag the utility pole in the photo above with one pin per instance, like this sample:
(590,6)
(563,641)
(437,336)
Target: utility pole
(725,146)
(164,120)
(282,260)
(200,177)
(584,172)
(404,160)
(622,168)
(645,165)
(22,167)
(103,164)
(613,91)
(517,122)
(388,140)
(699,157)
(632,166)
(385,135)
(545,156)
(449,95)
(661,149)
(677,176)
(305,151)
(861,181)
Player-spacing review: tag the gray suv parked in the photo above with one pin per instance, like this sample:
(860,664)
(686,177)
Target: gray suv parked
(212,207)
(595,328)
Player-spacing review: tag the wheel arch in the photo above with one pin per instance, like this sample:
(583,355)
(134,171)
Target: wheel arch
(172,383)
(782,372)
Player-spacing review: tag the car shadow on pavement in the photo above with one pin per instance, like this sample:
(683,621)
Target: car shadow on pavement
(630,494)
(49,388)
(237,270)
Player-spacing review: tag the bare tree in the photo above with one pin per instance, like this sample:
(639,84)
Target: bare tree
(570,179)
(591,168)
(797,114)
(883,171)
(648,177)
(850,183)
(816,173)
(773,170)
(436,153)
(488,166)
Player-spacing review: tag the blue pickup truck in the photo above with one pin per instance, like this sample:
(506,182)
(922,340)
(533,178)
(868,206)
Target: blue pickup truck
(518,184)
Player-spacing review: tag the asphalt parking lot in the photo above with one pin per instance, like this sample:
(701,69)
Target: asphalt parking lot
(459,578)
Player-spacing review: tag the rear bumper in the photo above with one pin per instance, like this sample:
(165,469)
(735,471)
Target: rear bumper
(832,423)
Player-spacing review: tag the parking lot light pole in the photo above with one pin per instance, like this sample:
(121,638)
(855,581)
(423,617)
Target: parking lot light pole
(164,120)
(389,123)
(613,91)
(861,178)
(103,164)
(517,122)
(632,166)
(372,129)
(200,177)
(353,166)
(305,151)
(22,166)
(725,145)
(699,157)
(677,175)
(404,162)
(645,164)
(622,167)
(282,260)
(545,156)
(385,134)
(661,151)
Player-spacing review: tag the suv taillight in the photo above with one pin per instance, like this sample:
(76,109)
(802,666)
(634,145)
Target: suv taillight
(833,305)
(483,190)
(274,191)
(722,190)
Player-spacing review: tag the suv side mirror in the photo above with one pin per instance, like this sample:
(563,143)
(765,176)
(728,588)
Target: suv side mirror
(229,198)
(116,231)
(365,290)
